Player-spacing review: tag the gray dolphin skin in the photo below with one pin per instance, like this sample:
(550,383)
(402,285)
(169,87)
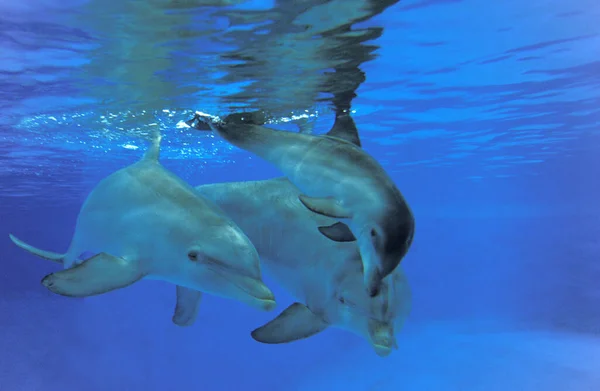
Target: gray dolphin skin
(144,222)
(337,179)
(324,276)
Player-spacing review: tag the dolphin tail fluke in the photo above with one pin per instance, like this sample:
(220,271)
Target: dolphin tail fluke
(99,274)
(186,309)
(49,255)
(294,323)
(202,121)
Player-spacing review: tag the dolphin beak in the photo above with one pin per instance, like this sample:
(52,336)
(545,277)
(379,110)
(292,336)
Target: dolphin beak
(381,350)
(234,284)
(257,293)
(382,337)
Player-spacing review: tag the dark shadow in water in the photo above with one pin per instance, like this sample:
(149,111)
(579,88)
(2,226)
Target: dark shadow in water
(301,53)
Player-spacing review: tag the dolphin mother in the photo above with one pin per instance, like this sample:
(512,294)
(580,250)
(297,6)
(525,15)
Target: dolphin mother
(338,179)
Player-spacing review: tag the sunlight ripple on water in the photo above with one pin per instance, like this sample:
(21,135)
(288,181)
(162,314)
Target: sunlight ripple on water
(84,77)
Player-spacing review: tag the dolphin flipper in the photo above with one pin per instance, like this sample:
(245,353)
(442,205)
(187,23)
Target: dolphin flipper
(186,309)
(294,323)
(100,274)
(338,232)
(325,206)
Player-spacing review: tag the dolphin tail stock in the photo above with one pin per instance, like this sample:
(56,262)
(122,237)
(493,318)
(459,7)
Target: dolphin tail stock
(49,255)
(186,308)
(99,274)
(247,118)
(256,139)
(295,322)
(246,131)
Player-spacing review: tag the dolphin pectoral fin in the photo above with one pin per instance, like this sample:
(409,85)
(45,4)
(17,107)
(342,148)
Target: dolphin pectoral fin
(186,309)
(338,232)
(100,274)
(325,206)
(55,257)
(294,323)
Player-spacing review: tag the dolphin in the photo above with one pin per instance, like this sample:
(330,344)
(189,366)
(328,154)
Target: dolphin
(145,222)
(324,276)
(337,179)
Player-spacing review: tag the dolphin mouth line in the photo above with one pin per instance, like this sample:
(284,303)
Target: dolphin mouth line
(379,346)
(218,270)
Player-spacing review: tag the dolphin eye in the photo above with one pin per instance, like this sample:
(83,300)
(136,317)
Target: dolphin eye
(341,300)
(373,233)
(193,255)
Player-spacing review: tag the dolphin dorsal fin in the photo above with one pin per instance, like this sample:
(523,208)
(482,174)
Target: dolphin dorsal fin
(345,128)
(305,126)
(153,153)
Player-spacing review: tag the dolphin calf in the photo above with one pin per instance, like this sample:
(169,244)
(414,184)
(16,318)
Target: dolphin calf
(145,222)
(323,275)
(338,179)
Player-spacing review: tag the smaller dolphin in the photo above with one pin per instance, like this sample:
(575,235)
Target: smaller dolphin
(338,179)
(144,222)
(323,275)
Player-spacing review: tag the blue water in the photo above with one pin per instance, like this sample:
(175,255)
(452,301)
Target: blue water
(485,114)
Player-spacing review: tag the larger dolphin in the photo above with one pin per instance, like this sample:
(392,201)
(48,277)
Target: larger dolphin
(338,179)
(144,222)
(324,276)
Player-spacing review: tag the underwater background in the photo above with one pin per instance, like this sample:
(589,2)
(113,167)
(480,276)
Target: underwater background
(485,114)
